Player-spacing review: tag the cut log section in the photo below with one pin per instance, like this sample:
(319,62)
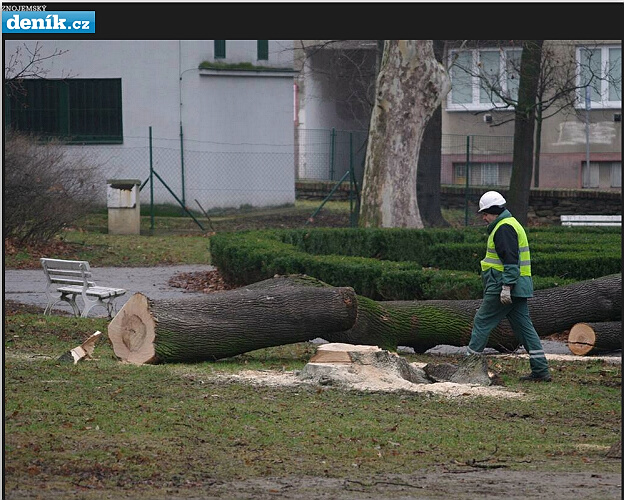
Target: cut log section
(228,323)
(422,325)
(594,338)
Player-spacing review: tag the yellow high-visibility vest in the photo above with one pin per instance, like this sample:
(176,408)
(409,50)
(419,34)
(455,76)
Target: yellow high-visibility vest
(491,257)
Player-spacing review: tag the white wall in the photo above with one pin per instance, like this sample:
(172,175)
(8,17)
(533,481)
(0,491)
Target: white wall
(221,116)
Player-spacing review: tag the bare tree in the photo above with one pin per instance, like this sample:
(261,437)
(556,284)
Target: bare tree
(557,91)
(354,67)
(428,183)
(524,130)
(349,68)
(410,87)
(27,61)
(46,187)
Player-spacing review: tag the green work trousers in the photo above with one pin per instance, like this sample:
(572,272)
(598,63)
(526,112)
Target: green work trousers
(490,315)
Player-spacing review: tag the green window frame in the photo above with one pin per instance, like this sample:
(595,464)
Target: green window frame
(263,50)
(75,110)
(219,49)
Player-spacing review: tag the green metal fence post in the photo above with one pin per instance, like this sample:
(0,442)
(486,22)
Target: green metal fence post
(351,182)
(467,179)
(331,193)
(332,152)
(182,165)
(151,182)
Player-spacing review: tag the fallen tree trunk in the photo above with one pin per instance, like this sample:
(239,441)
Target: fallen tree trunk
(426,324)
(224,324)
(301,308)
(594,338)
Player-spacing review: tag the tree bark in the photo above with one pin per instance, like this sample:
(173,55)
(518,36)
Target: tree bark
(290,309)
(224,324)
(425,324)
(524,130)
(410,86)
(430,163)
(594,338)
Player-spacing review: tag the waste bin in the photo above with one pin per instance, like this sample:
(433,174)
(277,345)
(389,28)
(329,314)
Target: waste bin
(124,206)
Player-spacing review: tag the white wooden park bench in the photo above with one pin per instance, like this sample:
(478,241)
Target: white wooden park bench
(68,279)
(591,220)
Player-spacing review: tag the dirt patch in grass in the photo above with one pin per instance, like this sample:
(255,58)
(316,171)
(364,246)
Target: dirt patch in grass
(460,482)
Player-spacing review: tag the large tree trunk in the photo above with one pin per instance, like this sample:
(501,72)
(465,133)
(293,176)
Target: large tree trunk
(410,86)
(430,163)
(425,324)
(224,324)
(594,338)
(524,130)
(285,310)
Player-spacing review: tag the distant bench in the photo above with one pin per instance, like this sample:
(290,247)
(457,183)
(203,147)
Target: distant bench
(68,279)
(591,220)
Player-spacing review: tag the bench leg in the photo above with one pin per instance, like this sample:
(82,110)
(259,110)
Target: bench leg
(90,304)
(110,308)
(107,303)
(71,300)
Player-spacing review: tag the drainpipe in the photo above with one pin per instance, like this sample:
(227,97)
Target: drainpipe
(181,73)
(181,133)
(587,108)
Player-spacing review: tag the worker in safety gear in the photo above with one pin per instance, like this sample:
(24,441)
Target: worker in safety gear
(507,283)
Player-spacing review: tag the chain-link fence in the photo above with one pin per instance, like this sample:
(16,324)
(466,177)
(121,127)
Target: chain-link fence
(219,176)
(329,154)
(475,160)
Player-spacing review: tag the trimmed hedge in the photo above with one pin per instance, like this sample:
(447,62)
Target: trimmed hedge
(408,264)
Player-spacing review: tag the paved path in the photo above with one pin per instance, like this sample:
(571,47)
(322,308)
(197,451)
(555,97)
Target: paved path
(27,286)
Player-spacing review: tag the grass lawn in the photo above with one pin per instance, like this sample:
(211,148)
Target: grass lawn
(103,429)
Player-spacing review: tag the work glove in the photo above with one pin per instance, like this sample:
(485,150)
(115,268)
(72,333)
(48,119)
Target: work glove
(505,295)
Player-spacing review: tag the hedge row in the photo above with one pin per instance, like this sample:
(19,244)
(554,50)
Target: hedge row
(399,264)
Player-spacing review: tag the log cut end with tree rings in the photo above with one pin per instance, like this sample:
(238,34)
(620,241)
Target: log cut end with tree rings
(132,331)
(596,337)
(338,352)
(581,339)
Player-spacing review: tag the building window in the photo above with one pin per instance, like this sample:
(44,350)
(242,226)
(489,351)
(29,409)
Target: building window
(483,79)
(263,50)
(600,70)
(483,174)
(74,110)
(602,175)
(219,49)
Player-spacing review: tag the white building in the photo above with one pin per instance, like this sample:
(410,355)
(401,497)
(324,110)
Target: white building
(219,112)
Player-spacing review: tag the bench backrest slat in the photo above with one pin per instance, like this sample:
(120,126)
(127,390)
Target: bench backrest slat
(67,272)
(591,218)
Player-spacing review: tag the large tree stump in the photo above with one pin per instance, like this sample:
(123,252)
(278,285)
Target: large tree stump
(340,364)
(594,338)
(228,323)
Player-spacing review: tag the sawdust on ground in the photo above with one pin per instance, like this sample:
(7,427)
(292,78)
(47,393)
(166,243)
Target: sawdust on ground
(369,378)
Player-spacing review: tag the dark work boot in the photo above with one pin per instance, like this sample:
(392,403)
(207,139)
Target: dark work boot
(532,377)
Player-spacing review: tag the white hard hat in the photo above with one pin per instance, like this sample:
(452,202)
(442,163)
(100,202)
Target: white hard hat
(491,199)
